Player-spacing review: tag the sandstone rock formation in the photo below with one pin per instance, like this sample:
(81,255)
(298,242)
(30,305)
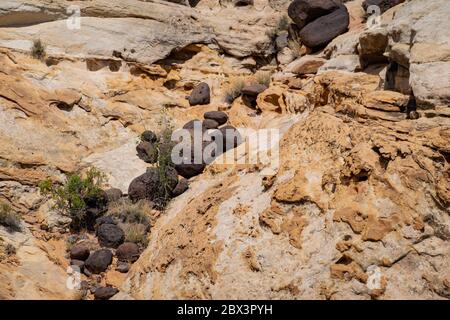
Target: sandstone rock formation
(357,207)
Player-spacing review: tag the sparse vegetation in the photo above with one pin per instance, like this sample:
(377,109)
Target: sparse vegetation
(234,90)
(128,212)
(134,218)
(8,218)
(38,50)
(263,77)
(70,198)
(164,163)
(136,233)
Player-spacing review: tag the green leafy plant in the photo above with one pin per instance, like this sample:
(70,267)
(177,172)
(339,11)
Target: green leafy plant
(70,197)
(38,49)
(234,90)
(8,218)
(164,163)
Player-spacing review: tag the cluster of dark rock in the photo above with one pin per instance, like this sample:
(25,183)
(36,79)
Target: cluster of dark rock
(212,133)
(206,132)
(111,239)
(317,22)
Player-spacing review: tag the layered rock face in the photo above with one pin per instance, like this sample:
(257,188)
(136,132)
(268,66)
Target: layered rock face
(356,208)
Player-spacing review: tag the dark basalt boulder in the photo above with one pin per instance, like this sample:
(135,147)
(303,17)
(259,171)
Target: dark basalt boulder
(149,136)
(303,12)
(181,187)
(200,95)
(110,235)
(254,90)
(79,252)
(128,251)
(99,261)
(105,293)
(190,125)
(147,152)
(324,29)
(219,116)
(148,185)
(103,220)
(210,124)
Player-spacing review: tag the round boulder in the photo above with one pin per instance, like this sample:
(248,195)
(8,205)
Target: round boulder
(128,251)
(200,95)
(105,293)
(110,235)
(79,252)
(253,90)
(148,185)
(149,136)
(219,116)
(304,11)
(324,29)
(210,124)
(147,152)
(99,261)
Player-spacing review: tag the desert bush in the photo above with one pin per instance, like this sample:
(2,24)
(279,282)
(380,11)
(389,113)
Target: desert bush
(135,219)
(136,233)
(70,197)
(263,77)
(38,50)
(8,218)
(164,163)
(128,212)
(234,90)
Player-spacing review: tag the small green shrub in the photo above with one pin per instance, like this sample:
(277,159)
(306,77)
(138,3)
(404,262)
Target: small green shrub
(8,218)
(38,50)
(71,196)
(234,91)
(164,163)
